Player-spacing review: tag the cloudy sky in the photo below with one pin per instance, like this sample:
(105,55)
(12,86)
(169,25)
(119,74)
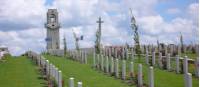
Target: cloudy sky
(22,22)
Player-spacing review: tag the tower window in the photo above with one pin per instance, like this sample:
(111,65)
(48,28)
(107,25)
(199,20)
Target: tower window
(52,19)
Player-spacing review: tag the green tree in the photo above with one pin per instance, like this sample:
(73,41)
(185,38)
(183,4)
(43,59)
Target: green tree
(136,36)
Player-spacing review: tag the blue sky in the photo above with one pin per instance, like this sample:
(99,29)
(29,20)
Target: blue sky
(22,23)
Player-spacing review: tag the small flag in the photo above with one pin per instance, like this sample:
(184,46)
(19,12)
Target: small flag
(48,39)
(81,37)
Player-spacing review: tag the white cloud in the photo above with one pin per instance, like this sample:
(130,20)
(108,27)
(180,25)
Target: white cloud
(81,15)
(173,11)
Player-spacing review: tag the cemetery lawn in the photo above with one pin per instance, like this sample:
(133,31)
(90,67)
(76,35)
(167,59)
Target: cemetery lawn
(94,78)
(19,72)
(84,73)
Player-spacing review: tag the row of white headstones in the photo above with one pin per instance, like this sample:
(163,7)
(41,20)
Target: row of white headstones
(167,57)
(51,71)
(112,66)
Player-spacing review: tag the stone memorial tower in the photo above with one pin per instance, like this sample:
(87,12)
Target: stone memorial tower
(52,26)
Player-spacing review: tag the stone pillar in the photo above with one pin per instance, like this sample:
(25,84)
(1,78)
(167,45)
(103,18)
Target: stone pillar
(160,60)
(79,84)
(140,82)
(147,57)
(168,62)
(94,59)
(153,58)
(151,77)
(107,65)
(131,69)
(123,69)
(71,82)
(112,65)
(60,79)
(197,67)
(115,52)
(188,80)
(185,65)
(177,64)
(116,68)
(102,63)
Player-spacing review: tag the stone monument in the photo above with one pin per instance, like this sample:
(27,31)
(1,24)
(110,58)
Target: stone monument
(52,26)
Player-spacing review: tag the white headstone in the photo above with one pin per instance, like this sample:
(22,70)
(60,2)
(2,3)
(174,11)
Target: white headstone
(160,60)
(177,64)
(116,68)
(140,82)
(185,65)
(188,80)
(102,62)
(71,82)
(94,59)
(112,65)
(168,62)
(197,67)
(151,77)
(131,68)
(153,58)
(123,69)
(60,79)
(107,64)
(79,84)
(147,57)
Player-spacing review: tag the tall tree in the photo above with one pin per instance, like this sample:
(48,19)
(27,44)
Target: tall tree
(76,41)
(65,45)
(181,41)
(136,35)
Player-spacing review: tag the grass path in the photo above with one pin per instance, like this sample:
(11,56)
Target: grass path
(19,72)
(84,73)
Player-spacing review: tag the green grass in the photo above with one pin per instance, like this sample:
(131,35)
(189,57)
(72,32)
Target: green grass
(84,73)
(91,77)
(190,55)
(19,72)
